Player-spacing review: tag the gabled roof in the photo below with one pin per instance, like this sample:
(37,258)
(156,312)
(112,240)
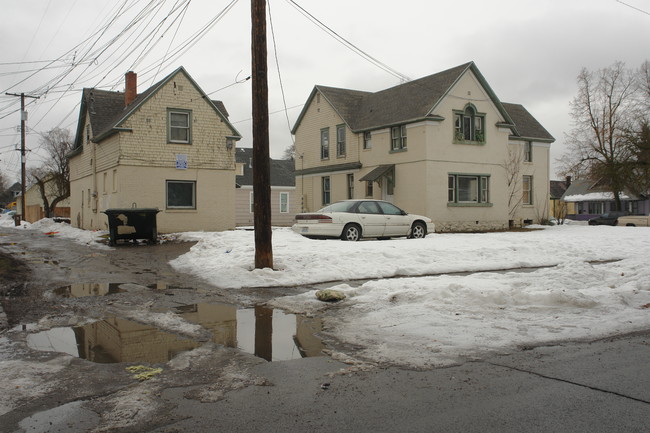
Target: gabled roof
(282,171)
(526,126)
(408,102)
(107,111)
(415,101)
(15,187)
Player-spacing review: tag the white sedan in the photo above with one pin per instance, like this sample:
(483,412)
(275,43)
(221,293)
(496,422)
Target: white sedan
(352,220)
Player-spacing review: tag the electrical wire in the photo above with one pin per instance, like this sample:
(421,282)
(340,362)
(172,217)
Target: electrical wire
(633,7)
(349,45)
(277,64)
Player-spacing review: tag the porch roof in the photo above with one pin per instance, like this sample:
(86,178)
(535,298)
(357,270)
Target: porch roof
(377,172)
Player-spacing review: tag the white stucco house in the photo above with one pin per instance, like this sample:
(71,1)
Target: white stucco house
(443,146)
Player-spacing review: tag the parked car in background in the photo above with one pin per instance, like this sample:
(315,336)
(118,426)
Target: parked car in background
(352,220)
(607,219)
(634,221)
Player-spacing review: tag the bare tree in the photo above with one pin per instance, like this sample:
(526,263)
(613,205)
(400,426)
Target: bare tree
(604,111)
(639,173)
(289,152)
(643,83)
(3,183)
(512,167)
(53,177)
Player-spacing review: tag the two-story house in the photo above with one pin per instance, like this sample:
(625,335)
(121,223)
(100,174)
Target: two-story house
(283,187)
(169,147)
(443,146)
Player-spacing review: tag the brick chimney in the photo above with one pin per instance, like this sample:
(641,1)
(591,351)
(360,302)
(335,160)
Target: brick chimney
(131,87)
(568,181)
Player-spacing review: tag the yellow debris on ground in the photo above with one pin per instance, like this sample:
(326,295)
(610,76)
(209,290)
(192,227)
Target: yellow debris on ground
(143,372)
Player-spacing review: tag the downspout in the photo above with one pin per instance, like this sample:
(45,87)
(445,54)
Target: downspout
(95,196)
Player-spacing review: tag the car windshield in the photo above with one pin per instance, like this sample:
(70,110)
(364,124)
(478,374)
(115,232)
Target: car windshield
(341,206)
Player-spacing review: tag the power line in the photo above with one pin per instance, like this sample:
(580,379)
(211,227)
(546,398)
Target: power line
(349,45)
(277,64)
(633,7)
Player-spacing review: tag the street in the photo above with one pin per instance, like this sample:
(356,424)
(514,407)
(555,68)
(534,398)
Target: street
(595,386)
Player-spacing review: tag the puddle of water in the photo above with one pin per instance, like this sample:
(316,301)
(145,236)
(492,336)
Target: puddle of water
(264,332)
(80,290)
(65,418)
(163,285)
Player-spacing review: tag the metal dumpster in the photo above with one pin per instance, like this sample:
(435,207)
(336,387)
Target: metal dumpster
(132,224)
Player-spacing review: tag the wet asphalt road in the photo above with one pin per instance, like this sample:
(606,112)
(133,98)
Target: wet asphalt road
(598,386)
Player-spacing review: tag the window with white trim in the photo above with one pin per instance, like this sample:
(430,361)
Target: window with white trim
(350,186)
(340,140)
(179,126)
(398,137)
(325,143)
(251,203)
(326,190)
(284,202)
(469,125)
(367,137)
(468,188)
(527,190)
(369,188)
(181,194)
(528,152)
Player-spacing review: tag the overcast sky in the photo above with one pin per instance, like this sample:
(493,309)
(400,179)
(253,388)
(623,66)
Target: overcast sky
(530,52)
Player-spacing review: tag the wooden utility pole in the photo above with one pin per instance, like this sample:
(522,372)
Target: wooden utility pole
(261,164)
(23,150)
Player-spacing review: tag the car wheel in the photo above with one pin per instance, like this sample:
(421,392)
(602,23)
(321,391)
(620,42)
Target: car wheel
(630,225)
(418,231)
(351,232)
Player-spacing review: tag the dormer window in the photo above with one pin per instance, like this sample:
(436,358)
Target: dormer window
(469,125)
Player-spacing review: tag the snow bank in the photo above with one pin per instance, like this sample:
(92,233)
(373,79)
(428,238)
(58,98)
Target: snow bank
(50,228)
(591,282)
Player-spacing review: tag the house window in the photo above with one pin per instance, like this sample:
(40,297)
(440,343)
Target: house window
(369,191)
(251,203)
(325,143)
(340,140)
(181,194)
(469,125)
(528,152)
(451,189)
(284,202)
(114,180)
(179,126)
(350,186)
(367,136)
(398,137)
(596,207)
(105,183)
(326,190)
(467,188)
(527,190)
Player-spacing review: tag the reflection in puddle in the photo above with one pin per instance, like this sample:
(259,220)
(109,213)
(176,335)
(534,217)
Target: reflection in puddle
(264,332)
(80,290)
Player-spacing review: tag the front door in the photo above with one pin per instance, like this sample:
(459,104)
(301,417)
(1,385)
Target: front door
(388,186)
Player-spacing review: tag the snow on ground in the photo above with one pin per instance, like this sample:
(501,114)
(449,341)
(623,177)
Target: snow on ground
(596,282)
(586,282)
(51,228)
